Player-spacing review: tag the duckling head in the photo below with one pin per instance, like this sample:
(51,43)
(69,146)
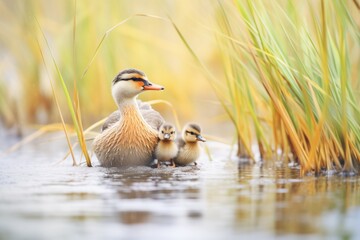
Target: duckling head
(129,83)
(167,132)
(192,133)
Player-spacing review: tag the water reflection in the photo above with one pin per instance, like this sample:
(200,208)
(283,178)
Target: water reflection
(151,195)
(278,198)
(219,199)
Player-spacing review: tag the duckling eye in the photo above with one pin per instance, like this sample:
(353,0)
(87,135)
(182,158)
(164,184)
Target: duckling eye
(172,132)
(162,132)
(192,133)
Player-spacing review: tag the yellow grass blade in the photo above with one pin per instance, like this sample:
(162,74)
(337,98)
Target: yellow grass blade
(58,108)
(75,119)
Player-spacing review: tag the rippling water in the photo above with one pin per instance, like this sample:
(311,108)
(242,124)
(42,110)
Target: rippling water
(219,199)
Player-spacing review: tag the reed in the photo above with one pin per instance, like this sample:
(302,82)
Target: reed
(64,128)
(291,81)
(301,71)
(73,106)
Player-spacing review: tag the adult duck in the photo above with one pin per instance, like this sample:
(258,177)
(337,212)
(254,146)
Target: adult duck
(129,135)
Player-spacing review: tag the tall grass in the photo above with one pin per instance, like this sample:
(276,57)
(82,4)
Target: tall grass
(291,73)
(301,71)
(290,68)
(72,103)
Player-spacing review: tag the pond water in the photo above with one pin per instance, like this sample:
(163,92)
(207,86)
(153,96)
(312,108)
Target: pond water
(221,198)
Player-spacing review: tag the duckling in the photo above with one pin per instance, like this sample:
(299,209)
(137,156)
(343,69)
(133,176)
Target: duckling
(167,149)
(129,135)
(189,148)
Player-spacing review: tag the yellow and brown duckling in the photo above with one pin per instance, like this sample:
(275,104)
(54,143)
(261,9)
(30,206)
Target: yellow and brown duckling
(129,136)
(167,149)
(189,148)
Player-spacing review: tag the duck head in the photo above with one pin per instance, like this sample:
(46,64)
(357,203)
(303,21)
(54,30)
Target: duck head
(129,83)
(192,133)
(167,132)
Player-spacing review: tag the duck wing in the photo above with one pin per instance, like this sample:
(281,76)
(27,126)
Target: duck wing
(113,118)
(152,117)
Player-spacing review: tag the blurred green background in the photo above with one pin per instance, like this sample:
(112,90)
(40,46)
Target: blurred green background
(144,42)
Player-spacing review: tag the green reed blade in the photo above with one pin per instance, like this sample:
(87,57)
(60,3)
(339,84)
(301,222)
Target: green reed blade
(58,108)
(75,120)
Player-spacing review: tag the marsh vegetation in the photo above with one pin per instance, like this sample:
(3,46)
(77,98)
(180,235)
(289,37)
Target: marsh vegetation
(284,74)
(272,83)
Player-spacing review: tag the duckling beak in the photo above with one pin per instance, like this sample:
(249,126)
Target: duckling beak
(166,136)
(200,138)
(150,86)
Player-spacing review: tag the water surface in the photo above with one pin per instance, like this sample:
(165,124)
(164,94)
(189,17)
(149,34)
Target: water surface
(221,198)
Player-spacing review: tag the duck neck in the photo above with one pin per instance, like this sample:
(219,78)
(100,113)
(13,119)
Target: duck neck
(127,103)
(128,107)
(131,116)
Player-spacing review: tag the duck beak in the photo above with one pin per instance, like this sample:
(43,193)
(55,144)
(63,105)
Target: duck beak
(150,86)
(166,136)
(200,138)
